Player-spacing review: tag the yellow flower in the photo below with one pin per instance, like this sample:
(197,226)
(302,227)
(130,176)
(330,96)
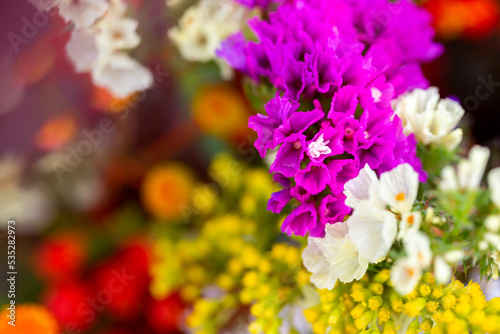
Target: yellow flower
(31,318)
(166,190)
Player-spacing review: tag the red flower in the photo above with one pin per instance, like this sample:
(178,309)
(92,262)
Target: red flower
(71,304)
(122,282)
(164,316)
(60,257)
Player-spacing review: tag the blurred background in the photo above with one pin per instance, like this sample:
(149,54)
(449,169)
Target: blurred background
(92,180)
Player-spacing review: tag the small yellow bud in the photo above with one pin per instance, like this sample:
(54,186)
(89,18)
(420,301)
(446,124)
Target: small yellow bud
(437,293)
(358,311)
(389,327)
(431,306)
(396,302)
(424,290)
(384,314)
(414,327)
(375,302)
(448,301)
(414,307)
(363,321)
(377,288)
(426,325)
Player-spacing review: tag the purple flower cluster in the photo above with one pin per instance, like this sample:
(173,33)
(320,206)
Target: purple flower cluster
(341,63)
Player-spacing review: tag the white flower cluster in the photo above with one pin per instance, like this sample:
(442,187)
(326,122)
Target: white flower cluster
(468,174)
(382,214)
(431,119)
(27,203)
(204,26)
(491,239)
(99,42)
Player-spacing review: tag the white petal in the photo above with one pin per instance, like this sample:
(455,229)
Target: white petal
(82,50)
(323,277)
(82,13)
(410,222)
(373,231)
(122,76)
(417,246)
(472,176)
(399,187)
(364,187)
(442,271)
(449,180)
(405,275)
(494,185)
(348,264)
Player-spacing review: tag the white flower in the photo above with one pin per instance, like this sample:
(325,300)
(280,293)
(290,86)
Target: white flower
(442,271)
(365,187)
(82,50)
(454,256)
(418,248)
(334,257)
(405,274)
(469,172)
(494,185)
(373,231)
(122,76)
(342,253)
(204,26)
(117,32)
(197,41)
(323,275)
(319,147)
(399,187)
(431,120)
(82,13)
(27,203)
(410,223)
(493,239)
(492,223)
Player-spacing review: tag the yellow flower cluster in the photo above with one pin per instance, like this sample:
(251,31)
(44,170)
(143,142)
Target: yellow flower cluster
(231,211)
(372,306)
(190,264)
(266,281)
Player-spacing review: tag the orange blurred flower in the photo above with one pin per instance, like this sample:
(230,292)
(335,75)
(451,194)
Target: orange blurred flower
(221,110)
(167,190)
(34,63)
(56,132)
(30,319)
(103,100)
(468,18)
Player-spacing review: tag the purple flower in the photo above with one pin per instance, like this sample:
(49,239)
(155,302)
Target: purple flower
(297,123)
(278,110)
(314,178)
(332,209)
(300,194)
(232,49)
(348,59)
(302,220)
(278,200)
(290,155)
(326,143)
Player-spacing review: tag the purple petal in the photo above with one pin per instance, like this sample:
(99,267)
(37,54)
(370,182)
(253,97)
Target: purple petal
(278,200)
(301,220)
(314,178)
